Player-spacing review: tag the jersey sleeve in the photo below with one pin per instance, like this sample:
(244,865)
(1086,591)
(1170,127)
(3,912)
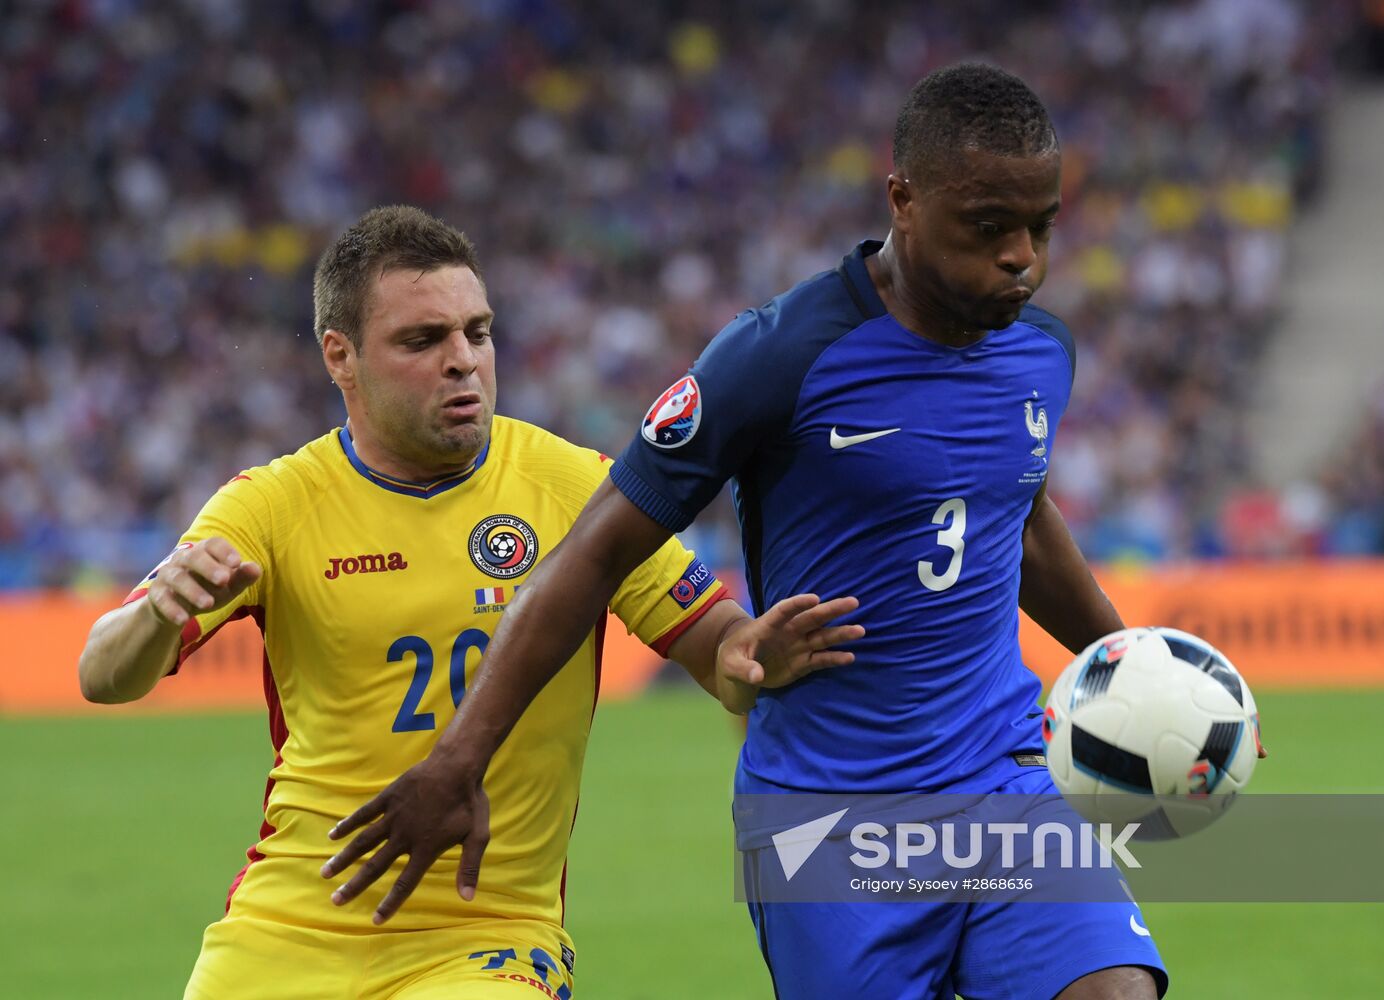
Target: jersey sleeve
(1053,327)
(666,593)
(239,513)
(1056,330)
(706,426)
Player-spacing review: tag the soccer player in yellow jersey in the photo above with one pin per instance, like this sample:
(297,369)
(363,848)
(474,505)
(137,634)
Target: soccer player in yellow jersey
(376,561)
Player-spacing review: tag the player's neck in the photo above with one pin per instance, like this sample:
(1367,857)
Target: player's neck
(380,458)
(913,312)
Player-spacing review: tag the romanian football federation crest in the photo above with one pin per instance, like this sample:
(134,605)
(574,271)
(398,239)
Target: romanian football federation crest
(675,415)
(503,546)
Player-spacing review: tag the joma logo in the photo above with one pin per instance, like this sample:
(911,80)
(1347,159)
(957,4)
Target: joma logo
(370,563)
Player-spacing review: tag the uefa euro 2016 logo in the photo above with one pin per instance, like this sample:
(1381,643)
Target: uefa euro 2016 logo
(503,546)
(675,415)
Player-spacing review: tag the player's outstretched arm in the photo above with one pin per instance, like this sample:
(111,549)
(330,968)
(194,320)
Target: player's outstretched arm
(738,654)
(1056,588)
(130,648)
(439,802)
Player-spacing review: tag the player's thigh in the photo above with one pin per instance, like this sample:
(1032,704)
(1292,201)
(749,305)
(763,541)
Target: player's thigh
(513,973)
(841,951)
(248,959)
(1034,951)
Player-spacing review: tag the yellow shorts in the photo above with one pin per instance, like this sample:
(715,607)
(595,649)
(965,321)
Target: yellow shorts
(246,958)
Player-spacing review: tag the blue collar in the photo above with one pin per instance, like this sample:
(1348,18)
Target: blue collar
(424,491)
(857,278)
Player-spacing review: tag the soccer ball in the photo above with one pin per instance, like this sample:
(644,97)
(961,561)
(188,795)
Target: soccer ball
(1154,726)
(504,545)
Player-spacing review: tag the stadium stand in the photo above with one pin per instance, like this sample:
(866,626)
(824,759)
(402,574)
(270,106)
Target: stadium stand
(168,173)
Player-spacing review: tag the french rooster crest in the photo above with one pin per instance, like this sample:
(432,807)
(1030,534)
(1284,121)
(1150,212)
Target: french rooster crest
(1037,427)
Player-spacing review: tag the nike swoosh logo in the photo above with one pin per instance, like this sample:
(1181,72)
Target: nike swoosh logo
(839,440)
(1137,929)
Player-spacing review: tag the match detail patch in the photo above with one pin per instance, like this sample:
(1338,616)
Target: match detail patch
(675,415)
(492,600)
(695,579)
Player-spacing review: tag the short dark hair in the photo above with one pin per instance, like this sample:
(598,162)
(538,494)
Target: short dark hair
(969,106)
(393,236)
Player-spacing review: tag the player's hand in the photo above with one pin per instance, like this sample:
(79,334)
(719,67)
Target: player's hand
(789,641)
(198,579)
(425,811)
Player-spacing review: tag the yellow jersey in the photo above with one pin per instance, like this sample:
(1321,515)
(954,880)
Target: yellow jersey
(377,600)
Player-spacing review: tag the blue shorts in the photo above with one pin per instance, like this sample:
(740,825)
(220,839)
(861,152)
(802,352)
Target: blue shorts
(981,951)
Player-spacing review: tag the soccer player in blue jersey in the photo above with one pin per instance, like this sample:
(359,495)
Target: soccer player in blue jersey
(888,427)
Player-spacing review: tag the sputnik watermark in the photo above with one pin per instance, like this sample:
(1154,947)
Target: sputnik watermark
(1001,847)
(1085,845)
(1088,846)
(959,848)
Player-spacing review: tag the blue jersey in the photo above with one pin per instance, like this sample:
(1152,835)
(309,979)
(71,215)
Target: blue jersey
(870,461)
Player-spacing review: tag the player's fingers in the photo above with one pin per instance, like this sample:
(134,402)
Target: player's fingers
(367,840)
(222,551)
(224,578)
(203,564)
(165,607)
(185,587)
(826,612)
(738,664)
(370,869)
(825,638)
(403,886)
(367,813)
(828,658)
(245,574)
(377,864)
(782,614)
(473,847)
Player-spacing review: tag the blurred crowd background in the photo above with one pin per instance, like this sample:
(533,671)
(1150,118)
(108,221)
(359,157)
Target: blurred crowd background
(634,174)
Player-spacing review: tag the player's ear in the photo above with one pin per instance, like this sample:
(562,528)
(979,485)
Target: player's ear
(339,355)
(900,192)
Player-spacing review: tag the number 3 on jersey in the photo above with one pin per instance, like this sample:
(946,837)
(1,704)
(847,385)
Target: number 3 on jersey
(953,536)
(409,719)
